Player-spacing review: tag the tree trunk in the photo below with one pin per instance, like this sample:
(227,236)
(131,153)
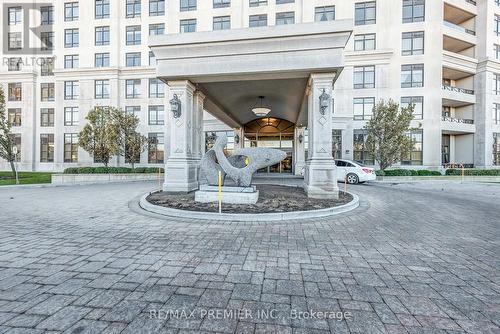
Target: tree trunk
(13,167)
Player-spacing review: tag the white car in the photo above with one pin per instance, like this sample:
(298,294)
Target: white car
(353,172)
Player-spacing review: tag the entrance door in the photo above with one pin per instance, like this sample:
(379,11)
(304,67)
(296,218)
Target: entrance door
(272,133)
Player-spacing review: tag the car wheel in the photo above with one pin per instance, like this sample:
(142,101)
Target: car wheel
(352,178)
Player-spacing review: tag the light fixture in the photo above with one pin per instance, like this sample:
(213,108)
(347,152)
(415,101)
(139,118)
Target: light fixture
(261,110)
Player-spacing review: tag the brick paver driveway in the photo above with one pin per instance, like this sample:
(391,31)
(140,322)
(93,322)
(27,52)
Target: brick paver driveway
(417,259)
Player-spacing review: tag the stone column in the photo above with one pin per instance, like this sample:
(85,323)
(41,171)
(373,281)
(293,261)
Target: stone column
(181,168)
(241,134)
(320,178)
(300,151)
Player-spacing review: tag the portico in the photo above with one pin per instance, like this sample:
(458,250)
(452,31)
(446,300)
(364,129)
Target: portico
(224,73)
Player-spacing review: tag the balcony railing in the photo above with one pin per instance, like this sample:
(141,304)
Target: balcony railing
(457,120)
(458,89)
(471,2)
(459,28)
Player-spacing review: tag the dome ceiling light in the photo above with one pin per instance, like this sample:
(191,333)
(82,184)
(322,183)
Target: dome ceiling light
(261,110)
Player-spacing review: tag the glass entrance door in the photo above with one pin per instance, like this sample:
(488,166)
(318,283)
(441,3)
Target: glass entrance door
(272,133)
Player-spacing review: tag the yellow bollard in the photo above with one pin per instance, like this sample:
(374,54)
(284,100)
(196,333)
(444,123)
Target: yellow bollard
(220,192)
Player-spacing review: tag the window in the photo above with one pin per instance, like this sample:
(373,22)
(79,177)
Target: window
(133,59)
(414,157)
(15,91)
(496,148)
(14,64)
(71,90)
(101,9)
(16,138)
(364,42)
(413,11)
(257,20)
(222,23)
(71,115)
(101,36)
(156,7)
(156,29)
(360,151)
(14,116)
(363,107)
(257,3)
(71,11)
(412,76)
(496,84)
(46,66)
(71,38)
(15,40)
(133,110)
(152,59)
(413,43)
(132,87)
(496,113)
(187,5)
(496,51)
(46,147)
(156,148)
(15,15)
(418,105)
(364,77)
(222,3)
(101,89)
(280,2)
(71,61)
(47,91)
(133,35)
(70,147)
(285,18)
(102,59)
(156,88)
(365,13)
(47,117)
(47,15)
(337,144)
(325,13)
(156,115)
(133,8)
(188,25)
(47,40)
(496,26)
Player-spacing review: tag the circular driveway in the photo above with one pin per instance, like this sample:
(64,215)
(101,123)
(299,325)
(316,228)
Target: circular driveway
(414,258)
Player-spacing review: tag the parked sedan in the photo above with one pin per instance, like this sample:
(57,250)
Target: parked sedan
(353,172)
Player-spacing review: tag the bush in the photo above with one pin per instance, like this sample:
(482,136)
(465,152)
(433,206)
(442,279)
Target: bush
(407,172)
(110,170)
(474,172)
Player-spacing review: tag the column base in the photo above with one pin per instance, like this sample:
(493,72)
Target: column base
(300,168)
(320,179)
(181,175)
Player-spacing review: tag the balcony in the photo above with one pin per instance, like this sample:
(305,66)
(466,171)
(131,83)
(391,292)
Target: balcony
(458,97)
(459,26)
(459,62)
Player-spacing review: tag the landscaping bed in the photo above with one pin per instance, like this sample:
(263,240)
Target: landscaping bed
(272,199)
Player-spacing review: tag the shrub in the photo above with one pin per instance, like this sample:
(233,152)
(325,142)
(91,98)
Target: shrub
(407,172)
(111,170)
(474,172)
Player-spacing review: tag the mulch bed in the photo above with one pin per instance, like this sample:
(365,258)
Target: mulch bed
(272,199)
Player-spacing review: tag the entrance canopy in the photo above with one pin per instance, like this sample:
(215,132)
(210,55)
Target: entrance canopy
(234,67)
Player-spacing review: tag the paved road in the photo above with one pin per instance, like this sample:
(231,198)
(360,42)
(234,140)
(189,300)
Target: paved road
(412,259)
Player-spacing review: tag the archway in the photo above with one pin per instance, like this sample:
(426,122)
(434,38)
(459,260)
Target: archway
(272,133)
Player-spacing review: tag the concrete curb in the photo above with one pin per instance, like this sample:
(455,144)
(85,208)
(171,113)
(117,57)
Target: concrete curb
(245,217)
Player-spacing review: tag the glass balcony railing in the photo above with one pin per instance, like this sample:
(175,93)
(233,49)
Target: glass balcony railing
(458,89)
(457,120)
(459,28)
(472,2)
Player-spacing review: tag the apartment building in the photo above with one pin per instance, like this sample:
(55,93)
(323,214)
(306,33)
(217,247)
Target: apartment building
(443,56)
